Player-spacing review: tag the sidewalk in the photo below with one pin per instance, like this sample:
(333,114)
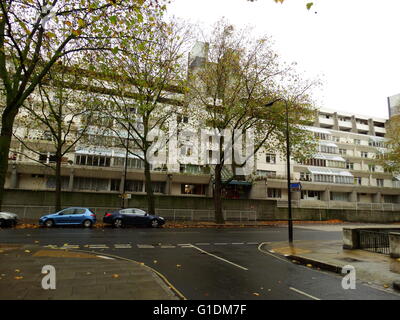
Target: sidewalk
(375,269)
(79,276)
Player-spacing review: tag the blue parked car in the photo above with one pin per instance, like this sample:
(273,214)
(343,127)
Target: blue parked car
(69,216)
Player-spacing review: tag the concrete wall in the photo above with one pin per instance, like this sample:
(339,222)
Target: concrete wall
(33,204)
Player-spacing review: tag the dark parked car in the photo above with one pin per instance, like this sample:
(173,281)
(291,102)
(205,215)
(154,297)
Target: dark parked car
(132,217)
(69,216)
(8,219)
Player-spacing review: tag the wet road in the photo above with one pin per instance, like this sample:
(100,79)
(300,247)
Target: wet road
(210,263)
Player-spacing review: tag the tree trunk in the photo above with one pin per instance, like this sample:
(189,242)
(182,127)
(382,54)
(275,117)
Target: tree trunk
(7,122)
(58,181)
(149,188)
(219,217)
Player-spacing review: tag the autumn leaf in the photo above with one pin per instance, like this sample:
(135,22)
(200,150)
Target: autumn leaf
(18,278)
(256,294)
(115,276)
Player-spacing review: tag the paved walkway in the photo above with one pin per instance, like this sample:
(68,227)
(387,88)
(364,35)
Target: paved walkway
(375,269)
(79,276)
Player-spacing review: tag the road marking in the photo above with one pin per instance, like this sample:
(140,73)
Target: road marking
(98,246)
(104,257)
(145,246)
(167,246)
(122,246)
(237,243)
(203,244)
(303,293)
(252,242)
(220,243)
(219,258)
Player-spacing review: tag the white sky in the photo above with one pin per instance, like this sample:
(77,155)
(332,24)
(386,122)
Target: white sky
(352,45)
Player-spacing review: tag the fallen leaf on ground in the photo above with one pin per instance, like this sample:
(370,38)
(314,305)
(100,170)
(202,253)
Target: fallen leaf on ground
(27,251)
(115,276)
(18,278)
(256,294)
(17,270)
(386,286)
(155,261)
(309,265)
(178,266)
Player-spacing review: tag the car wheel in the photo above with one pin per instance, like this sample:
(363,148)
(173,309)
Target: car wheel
(118,223)
(49,223)
(2,223)
(87,223)
(154,223)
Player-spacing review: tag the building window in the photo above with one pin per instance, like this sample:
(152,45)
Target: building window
(350,165)
(371,168)
(380,182)
(270,158)
(115,184)
(357,180)
(310,195)
(274,193)
(364,154)
(93,184)
(339,196)
(134,186)
(343,152)
(304,176)
(95,160)
(158,186)
(199,189)
(357,141)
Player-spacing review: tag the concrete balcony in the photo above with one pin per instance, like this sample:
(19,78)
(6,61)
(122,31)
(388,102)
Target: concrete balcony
(325,121)
(345,124)
(380,130)
(363,127)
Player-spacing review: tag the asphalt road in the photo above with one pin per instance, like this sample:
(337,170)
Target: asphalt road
(210,263)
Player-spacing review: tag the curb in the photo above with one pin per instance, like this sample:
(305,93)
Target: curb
(163,279)
(315,263)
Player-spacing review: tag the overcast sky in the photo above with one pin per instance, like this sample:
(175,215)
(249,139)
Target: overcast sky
(352,45)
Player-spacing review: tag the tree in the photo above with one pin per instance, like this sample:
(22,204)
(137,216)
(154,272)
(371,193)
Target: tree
(236,90)
(62,109)
(35,34)
(391,159)
(142,77)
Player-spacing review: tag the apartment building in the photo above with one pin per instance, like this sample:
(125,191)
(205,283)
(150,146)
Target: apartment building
(343,172)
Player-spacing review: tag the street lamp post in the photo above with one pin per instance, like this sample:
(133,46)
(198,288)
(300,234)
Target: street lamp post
(290,221)
(125,167)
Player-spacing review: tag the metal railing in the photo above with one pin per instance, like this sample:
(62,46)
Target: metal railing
(375,241)
(35,212)
(341,205)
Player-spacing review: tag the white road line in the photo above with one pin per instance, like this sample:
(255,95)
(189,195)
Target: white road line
(219,258)
(122,246)
(184,244)
(303,293)
(252,242)
(220,243)
(167,247)
(145,246)
(203,244)
(237,243)
(104,257)
(98,246)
